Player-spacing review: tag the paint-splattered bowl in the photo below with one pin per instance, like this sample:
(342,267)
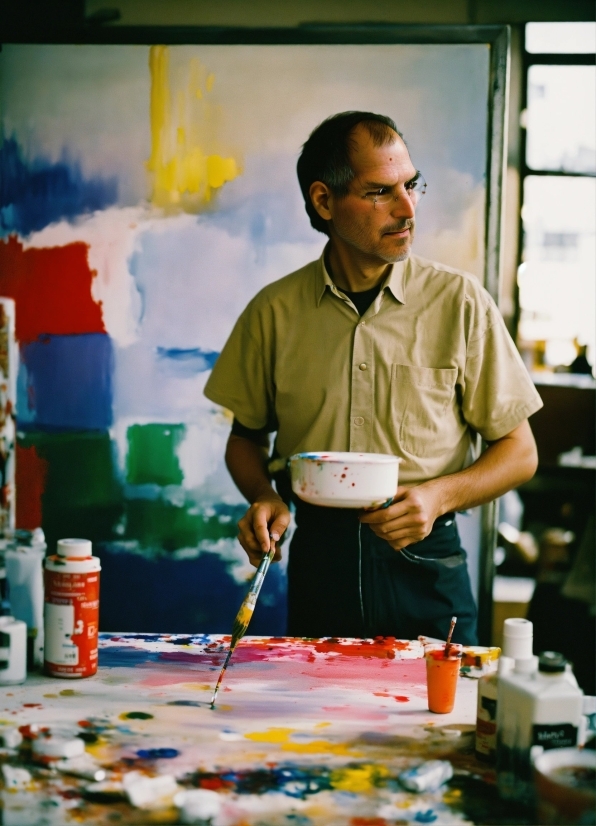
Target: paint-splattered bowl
(565,788)
(344,480)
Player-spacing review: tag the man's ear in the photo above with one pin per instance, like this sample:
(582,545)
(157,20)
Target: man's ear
(319,195)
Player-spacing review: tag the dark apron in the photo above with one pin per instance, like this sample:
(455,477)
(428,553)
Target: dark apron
(343,581)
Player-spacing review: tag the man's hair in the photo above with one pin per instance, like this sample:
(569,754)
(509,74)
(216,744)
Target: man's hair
(326,155)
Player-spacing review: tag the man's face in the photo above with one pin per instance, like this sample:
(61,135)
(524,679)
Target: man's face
(382,232)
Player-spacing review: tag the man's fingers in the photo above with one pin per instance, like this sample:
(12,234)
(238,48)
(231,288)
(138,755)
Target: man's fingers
(395,511)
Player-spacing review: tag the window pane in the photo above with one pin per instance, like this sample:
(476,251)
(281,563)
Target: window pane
(556,281)
(561,38)
(561,126)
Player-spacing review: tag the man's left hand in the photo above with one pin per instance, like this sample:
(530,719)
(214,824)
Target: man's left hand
(408,519)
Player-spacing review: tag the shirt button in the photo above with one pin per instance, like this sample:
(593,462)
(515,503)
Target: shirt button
(362,323)
(358,421)
(362,366)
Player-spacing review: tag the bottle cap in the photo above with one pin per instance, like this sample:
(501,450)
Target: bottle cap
(78,548)
(517,638)
(551,662)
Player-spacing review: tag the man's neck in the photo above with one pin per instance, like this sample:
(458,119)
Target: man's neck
(354,273)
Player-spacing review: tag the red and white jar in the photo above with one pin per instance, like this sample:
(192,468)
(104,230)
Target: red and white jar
(71,610)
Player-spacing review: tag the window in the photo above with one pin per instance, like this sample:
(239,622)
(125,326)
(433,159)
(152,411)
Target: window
(557,276)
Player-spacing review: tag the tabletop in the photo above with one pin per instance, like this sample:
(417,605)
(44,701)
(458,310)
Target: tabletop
(304,732)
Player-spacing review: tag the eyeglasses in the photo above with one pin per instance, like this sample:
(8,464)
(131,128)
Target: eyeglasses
(384,196)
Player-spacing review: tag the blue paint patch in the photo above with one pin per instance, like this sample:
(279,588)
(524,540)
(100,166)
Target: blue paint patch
(157,754)
(67,383)
(193,703)
(125,656)
(425,817)
(188,362)
(183,595)
(37,193)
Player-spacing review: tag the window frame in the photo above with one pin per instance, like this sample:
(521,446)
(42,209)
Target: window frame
(530,59)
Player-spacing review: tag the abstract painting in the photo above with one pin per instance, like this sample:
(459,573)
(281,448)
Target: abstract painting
(307,732)
(146,194)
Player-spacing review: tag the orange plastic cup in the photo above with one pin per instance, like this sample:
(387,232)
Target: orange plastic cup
(441,675)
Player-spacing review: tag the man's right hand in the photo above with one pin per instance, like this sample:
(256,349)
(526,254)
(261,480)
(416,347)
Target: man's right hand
(267,516)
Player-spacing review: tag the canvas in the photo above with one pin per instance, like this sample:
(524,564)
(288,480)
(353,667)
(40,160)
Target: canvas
(147,194)
(307,732)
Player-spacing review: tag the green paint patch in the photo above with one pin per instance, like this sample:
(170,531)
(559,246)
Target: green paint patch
(82,493)
(136,715)
(152,456)
(160,524)
(70,692)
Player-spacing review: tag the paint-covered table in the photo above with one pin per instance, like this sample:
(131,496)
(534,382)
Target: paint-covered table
(305,732)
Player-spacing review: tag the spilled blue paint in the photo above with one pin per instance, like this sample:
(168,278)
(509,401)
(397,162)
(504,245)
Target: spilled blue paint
(36,193)
(187,362)
(426,817)
(65,383)
(157,754)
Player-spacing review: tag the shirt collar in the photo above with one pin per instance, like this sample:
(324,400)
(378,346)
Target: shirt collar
(394,282)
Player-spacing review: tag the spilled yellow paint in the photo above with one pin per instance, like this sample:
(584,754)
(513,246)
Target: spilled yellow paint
(282,736)
(197,686)
(359,779)
(272,735)
(184,173)
(322,725)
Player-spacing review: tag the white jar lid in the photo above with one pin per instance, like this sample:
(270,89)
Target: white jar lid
(78,548)
(518,628)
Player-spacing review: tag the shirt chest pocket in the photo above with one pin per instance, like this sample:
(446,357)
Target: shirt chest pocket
(422,408)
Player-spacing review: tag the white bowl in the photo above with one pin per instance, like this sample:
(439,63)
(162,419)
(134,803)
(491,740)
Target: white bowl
(344,480)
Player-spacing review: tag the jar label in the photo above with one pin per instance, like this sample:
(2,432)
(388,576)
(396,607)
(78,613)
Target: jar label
(557,736)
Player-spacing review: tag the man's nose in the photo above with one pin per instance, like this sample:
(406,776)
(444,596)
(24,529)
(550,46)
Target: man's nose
(403,207)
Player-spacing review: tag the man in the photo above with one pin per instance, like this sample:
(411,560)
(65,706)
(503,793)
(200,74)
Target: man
(371,349)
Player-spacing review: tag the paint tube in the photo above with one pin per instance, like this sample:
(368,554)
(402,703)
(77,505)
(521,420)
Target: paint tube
(145,792)
(10,737)
(83,766)
(198,805)
(13,647)
(428,777)
(15,777)
(24,571)
(71,610)
(52,747)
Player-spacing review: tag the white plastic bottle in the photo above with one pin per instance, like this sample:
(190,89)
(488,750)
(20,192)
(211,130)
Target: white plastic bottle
(13,648)
(537,710)
(517,642)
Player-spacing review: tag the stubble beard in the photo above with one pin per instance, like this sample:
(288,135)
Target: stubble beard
(361,241)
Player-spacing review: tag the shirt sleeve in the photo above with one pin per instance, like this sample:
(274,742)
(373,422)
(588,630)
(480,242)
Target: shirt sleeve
(498,393)
(241,377)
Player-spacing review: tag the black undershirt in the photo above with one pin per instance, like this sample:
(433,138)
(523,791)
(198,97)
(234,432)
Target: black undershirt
(362,301)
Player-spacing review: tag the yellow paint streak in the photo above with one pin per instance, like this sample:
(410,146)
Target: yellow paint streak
(359,779)
(272,735)
(197,686)
(282,736)
(322,725)
(245,614)
(320,747)
(184,173)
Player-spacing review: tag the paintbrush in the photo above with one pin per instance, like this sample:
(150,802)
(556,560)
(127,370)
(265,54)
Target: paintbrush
(449,635)
(244,615)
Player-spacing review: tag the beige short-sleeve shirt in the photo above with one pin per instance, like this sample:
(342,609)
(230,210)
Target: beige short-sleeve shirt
(429,365)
